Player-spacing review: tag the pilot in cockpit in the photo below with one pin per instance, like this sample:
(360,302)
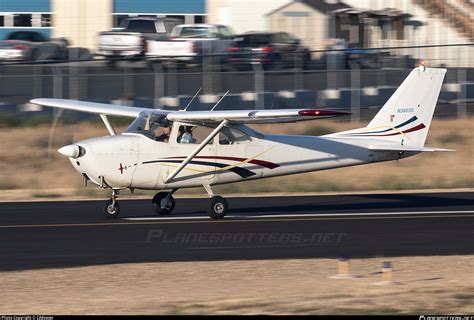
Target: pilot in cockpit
(162,133)
(185,135)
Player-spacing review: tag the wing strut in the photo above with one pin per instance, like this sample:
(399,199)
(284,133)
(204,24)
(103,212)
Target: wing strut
(196,151)
(108,125)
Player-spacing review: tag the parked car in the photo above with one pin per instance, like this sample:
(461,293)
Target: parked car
(130,40)
(273,50)
(32,46)
(190,43)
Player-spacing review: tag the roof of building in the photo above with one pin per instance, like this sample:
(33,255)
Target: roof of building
(319,5)
(324,7)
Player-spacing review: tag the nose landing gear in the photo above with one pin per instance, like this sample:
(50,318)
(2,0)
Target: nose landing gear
(112,207)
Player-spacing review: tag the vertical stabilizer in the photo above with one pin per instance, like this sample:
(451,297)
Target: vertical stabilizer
(406,116)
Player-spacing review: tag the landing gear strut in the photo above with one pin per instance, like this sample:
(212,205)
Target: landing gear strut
(163,203)
(218,206)
(111,207)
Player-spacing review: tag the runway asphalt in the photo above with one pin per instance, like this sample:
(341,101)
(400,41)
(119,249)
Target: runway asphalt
(73,233)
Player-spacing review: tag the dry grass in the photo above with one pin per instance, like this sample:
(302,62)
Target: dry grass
(423,285)
(24,162)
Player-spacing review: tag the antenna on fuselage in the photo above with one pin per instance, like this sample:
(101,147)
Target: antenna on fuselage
(219,100)
(189,103)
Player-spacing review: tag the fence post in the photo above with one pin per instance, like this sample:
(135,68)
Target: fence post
(158,78)
(128,89)
(206,67)
(355,91)
(299,71)
(462,93)
(37,80)
(172,80)
(73,74)
(331,70)
(259,85)
(57,82)
(57,94)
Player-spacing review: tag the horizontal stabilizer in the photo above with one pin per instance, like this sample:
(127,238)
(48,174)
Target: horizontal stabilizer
(401,148)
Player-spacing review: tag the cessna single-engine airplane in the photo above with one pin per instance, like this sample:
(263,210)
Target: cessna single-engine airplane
(169,150)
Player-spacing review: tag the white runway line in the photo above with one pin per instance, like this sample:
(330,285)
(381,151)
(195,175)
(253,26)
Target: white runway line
(165,218)
(351,214)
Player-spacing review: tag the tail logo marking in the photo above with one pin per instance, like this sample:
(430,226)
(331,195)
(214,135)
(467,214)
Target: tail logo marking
(384,131)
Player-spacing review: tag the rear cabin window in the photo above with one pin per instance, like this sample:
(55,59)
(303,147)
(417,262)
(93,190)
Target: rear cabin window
(232,136)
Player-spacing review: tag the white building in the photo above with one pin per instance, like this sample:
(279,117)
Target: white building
(435,29)
(242,15)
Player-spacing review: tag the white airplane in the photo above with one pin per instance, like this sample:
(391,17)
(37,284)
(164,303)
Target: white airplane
(170,150)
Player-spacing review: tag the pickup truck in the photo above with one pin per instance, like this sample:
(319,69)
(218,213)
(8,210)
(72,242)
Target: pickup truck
(130,40)
(189,43)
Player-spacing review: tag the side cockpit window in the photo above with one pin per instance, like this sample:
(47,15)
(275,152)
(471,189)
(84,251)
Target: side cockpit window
(155,127)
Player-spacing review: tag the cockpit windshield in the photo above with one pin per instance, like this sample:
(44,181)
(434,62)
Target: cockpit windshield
(156,127)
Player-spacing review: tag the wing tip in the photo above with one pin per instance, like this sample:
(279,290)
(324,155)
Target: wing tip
(44,101)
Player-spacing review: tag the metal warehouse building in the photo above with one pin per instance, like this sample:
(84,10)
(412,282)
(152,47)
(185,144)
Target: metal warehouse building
(80,20)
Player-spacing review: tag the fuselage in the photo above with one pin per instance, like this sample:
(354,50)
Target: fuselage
(132,160)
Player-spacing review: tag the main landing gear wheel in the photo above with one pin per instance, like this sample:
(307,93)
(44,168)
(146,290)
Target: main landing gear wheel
(111,207)
(218,207)
(163,203)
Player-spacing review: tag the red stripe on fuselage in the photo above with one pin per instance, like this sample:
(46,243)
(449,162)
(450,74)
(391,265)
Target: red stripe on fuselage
(262,163)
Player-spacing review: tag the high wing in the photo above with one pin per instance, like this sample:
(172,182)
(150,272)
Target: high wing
(252,116)
(94,107)
(237,116)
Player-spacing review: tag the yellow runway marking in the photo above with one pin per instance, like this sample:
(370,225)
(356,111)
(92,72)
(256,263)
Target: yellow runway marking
(222,221)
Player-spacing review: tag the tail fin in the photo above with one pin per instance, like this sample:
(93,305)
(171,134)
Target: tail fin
(406,116)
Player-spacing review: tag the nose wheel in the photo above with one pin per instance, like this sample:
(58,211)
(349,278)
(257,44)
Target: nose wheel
(112,207)
(163,203)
